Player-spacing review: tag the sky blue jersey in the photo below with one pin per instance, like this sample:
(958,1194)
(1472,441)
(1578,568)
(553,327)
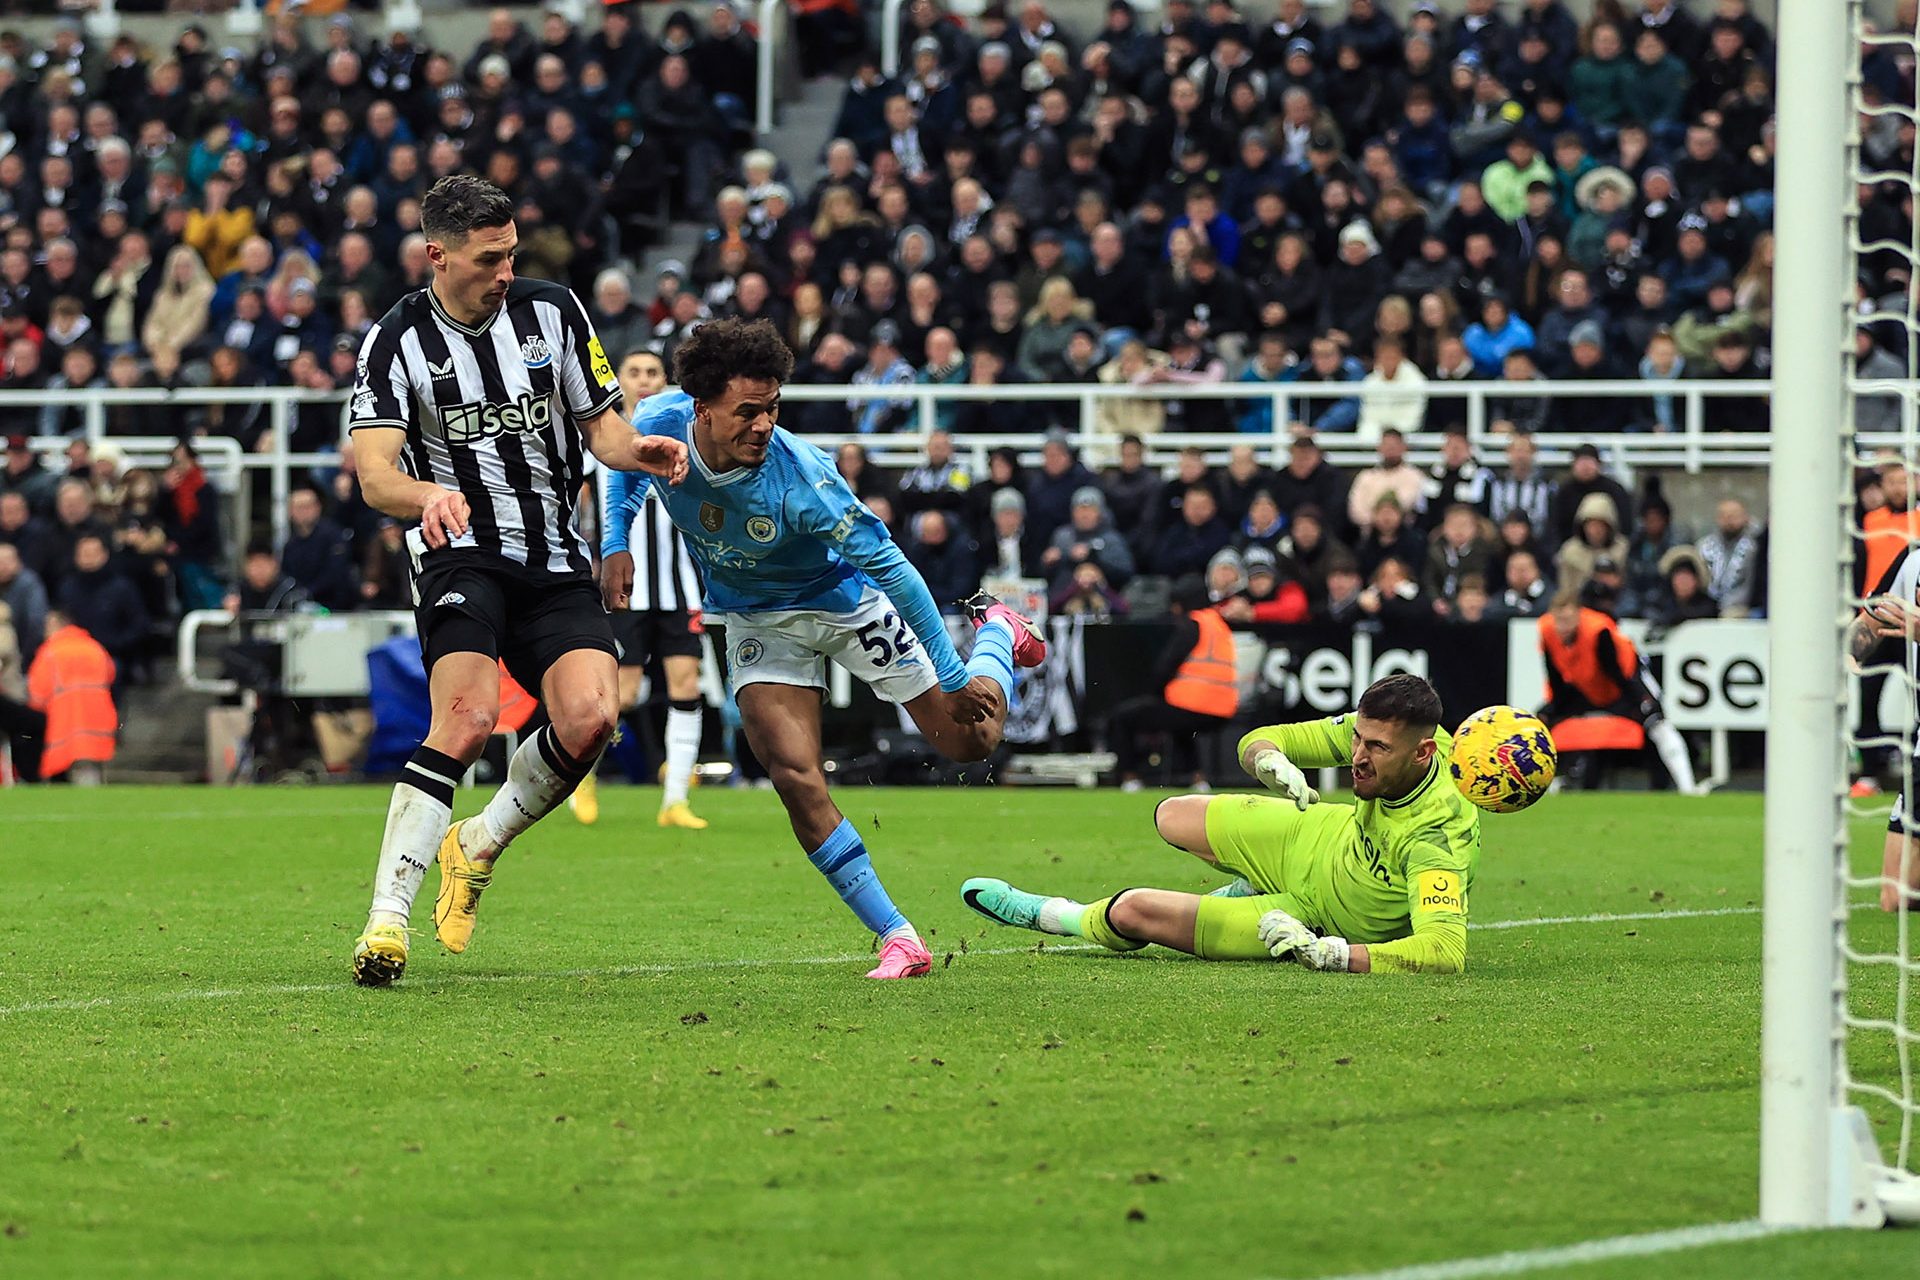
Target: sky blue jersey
(787,534)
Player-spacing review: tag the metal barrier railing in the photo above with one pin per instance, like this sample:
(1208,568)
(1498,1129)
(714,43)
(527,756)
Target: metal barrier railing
(1691,447)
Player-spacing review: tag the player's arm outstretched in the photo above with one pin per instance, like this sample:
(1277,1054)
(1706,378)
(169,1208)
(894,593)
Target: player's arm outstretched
(1276,755)
(828,509)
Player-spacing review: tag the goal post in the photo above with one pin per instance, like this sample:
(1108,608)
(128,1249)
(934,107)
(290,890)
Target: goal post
(1804,915)
(1820,1162)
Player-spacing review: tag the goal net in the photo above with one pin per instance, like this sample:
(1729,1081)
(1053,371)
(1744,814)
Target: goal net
(1840,1031)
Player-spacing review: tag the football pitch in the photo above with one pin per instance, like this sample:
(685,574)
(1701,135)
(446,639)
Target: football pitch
(660,1056)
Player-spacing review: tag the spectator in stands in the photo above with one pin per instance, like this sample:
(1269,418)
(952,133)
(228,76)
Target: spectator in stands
(1089,536)
(1327,362)
(1731,555)
(1051,493)
(1394,397)
(884,367)
(97,598)
(1135,365)
(25,597)
(1496,335)
(1596,535)
(27,476)
(1393,596)
(680,114)
(940,483)
(1734,359)
(1525,593)
(1456,479)
(945,558)
(1459,550)
(1340,606)
(1584,477)
(178,314)
(1520,486)
(1308,479)
(264,586)
(1390,475)
(192,513)
(318,555)
(1013,554)
(1389,534)
(1186,545)
(1685,597)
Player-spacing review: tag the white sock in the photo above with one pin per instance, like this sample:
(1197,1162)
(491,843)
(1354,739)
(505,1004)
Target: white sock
(1051,912)
(683,750)
(904,929)
(1673,753)
(417,818)
(540,777)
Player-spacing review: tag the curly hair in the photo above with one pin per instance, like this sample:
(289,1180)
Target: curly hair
(461,203)
(722,350)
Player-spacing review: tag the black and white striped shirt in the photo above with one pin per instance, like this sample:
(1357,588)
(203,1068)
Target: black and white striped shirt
(1534,495)
(664,577)
(492,412)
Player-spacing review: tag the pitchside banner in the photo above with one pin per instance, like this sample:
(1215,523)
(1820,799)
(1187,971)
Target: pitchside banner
(1711,674)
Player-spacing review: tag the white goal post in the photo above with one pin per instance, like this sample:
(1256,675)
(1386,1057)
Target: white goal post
(1820,1163)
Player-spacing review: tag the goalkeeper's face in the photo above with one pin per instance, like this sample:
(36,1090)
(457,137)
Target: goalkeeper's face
(1390,759)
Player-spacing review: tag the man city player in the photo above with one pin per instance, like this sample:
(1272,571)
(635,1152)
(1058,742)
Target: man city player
(798,571)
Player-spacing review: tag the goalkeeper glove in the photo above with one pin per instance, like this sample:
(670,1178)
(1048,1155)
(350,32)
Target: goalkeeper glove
(1285,937)
(1283,777)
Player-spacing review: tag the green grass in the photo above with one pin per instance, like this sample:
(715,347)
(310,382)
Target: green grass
(637,1069)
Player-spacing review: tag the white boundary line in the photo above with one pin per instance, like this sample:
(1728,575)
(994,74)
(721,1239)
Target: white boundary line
(1523,1261)
(705,966)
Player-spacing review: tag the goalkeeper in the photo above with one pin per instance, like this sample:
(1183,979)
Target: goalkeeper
(1380,885)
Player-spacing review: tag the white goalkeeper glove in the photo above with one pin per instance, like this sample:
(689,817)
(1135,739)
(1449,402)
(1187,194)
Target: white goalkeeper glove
(1286,938)
(1283,777)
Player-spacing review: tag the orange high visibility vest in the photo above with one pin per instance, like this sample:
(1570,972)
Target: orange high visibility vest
(1579,662)
(1207,683)
(71,680)
(1887,533)
(516,704)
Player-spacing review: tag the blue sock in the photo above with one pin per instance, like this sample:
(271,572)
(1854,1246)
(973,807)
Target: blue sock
(842,859)
(992,656)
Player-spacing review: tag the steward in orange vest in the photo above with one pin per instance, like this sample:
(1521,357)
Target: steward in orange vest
(1591,667)
(71,683)
(1200,688)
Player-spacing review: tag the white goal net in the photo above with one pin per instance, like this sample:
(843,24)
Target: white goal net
(1876,1063)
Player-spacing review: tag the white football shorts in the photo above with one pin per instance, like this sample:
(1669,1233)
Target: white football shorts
(791,646)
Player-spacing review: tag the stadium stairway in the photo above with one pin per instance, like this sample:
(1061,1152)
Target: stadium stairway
(163,732)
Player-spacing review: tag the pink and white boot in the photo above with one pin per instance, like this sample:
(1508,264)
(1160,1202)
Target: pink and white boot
(903,955)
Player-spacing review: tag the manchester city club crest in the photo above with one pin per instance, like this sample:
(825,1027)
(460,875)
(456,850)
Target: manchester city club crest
(761,529)
(711,517)
(535,353)
(748,652)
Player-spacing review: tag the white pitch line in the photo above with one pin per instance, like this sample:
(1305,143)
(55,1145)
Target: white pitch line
(1523,1261)
(701,966)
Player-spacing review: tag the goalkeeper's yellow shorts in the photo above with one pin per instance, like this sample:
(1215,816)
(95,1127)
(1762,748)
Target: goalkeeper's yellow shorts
(1276,846)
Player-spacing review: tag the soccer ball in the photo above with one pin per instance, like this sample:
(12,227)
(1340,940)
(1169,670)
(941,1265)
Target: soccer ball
(1503,759)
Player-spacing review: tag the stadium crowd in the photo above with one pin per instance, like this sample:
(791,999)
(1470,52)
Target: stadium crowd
(1329,194)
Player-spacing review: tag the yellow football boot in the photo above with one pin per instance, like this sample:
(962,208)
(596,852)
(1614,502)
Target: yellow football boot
(380,955)
(682,815)
(585,801)
(462,881)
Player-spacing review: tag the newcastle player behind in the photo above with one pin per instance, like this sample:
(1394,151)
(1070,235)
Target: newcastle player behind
(476,399)
(650,584)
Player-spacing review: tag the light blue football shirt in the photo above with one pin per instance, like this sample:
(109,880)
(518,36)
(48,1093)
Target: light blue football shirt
(787,534)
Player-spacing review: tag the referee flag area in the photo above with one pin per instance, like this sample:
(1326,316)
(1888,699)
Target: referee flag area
(659,1056)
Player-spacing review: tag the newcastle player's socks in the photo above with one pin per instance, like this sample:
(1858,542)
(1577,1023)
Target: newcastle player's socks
(683,749)
(417,819)
(540,777)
